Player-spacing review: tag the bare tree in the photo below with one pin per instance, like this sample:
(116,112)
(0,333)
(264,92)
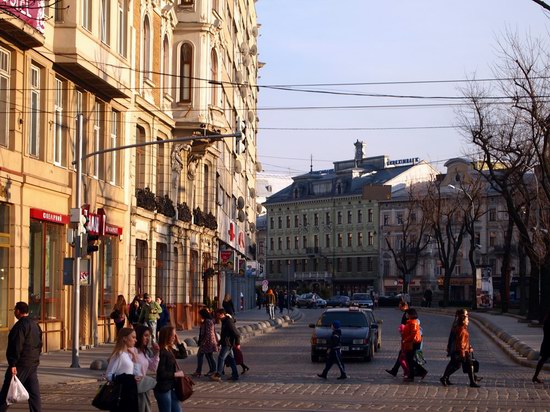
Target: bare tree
(411,234)
(510,126)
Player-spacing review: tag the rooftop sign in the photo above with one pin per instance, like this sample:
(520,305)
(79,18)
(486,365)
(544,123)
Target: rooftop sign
(400,162)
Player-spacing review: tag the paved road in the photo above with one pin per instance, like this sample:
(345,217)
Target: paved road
(282,378)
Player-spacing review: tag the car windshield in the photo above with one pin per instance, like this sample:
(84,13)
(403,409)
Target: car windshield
(347,319)
(361,296)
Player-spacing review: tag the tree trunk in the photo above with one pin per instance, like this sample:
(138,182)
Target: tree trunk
(505,274)
(522,280)
(446,287)
(473,268)
(533,309)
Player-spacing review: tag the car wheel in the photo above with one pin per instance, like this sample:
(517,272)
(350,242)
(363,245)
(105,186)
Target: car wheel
(314,358)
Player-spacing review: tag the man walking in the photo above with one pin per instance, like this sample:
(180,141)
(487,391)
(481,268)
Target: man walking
(23,356)
(229,338)
(150,312)
(334,353)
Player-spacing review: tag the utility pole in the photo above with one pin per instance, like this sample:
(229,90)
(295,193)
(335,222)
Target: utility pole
(78,249)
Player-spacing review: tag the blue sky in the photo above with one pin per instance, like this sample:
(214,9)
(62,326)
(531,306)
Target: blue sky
(321,41)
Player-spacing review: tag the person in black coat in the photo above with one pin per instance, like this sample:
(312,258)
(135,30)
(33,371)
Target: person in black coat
(164,315)
(23,356)
(228,305)
(229,338)
(165,390)
(544,348)
(334,354)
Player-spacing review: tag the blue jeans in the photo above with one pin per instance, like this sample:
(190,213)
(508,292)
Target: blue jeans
(167,401)
(209,359)
(226,352)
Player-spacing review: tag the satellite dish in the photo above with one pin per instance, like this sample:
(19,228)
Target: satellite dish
(239,77)
(251,116)
(241,216)
(255,31)
(252,192)
(217,23)
(240,202)
(238,166)
(253,50)
(247,61)
(244,48)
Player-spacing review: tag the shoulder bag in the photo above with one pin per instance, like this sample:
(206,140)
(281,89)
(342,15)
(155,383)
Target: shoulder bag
(184,384)
(108,396)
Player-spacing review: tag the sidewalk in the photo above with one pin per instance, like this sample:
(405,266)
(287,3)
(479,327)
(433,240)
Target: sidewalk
(55,366)
(516,336)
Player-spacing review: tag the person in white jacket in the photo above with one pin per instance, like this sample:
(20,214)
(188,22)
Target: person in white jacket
(148,360)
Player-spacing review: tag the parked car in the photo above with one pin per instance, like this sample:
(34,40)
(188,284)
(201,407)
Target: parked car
(376,328)
(321,303)
(307,300)
(362,300)
(389,301)
(358,334)
(338,301)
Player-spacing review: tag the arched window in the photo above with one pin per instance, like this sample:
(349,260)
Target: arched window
(146,49)
(186,64)
(165,84)
(141,161)
(214,78)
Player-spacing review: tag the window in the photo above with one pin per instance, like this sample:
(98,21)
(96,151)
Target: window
(339,264)
(59,8)
(271,244)
(288,222)
(315,241)
(4,262)
(279,243)
(4,97)
(98,141)
(370,215)
(77,110)
(161,270)
(34,115)
(141,165)
(327,240)
(316,219)
(214,88)
(87,14)
(114,166)
(304,220)
(304,241)
(58,135)
(327,218)
(349,264)
(350,240)
(186,61)
(107,257)
(146,49)
(206,191)
(370,265)
(296,222)
(386,220)
(386,268)
(296,242)
(165,78)
(161,170)
(359,239)
(400,218)
(187,2)
(280,222)
(105,21)
(492,215)
(122,27)
(271,223)
(359,264)
(349,217)
(370,239)
(492,239)
(340,240)
(339,221)
(359,216)
(288,242)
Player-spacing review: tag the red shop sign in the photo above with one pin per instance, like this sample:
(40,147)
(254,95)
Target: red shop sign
(112,230)
(50,216)
(30,11)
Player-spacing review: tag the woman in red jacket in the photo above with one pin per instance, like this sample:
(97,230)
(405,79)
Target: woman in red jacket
(411,341)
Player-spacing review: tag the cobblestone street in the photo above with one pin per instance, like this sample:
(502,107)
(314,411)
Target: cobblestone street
(282,378)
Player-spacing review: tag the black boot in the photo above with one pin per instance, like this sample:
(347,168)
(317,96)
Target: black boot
(473,383)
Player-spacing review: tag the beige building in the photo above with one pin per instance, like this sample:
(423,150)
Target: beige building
(120,63)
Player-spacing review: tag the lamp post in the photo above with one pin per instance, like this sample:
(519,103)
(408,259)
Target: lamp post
(288,286)
(238,134)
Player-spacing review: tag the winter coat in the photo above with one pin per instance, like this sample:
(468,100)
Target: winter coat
(208,342)
(229,335)
(229,307)
(411,335)
(462,341)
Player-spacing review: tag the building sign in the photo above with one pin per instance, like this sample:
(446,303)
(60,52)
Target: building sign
(29,11)
(400,162)
(227,259)
(49,216)
(112,230)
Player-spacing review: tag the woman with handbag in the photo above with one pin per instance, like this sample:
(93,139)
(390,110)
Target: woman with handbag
(461,351)
(411,342)
(168,370)
(148,359)
(124,371)
(120,313)
(208,344)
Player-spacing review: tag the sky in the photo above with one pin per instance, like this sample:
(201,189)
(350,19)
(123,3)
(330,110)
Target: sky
(335,43)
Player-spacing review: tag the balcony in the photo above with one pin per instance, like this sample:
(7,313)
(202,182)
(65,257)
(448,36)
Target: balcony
(313,276)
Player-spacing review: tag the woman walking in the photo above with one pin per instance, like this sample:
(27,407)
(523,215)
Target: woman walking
(208,343)
(544,348)
(148,360)
(228,305)
(460,350)
(167,370)
(399,362)
(164,315)
(411,341)
(120,313)
(122,370)
(134,312)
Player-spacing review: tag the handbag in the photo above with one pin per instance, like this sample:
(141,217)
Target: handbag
(108,396)
(470,362)
(184,384)
(115,314)
(419,358)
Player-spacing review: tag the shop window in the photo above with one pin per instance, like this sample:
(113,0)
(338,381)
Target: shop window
(4,263)
(108,257)
(4,97)
(45,269)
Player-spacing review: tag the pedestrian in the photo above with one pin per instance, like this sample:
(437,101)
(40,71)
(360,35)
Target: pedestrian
(23,356)
(228,305)
(410,344)
(167,370)
(461,352)
(134,311)
(229,338)
(428,294)
(120,313)
(281,301)
(270,303)
(403,307)
(259,300)
(148,359)
(150,313)
(164,315)
(124,370)
(334,352)
(544,347)
(208,344)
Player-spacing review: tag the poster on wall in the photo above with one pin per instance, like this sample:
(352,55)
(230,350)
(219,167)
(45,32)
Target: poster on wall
(484,288)
(227,261)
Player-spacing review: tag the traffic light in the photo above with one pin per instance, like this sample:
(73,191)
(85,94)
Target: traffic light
(92,244)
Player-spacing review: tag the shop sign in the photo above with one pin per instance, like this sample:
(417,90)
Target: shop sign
(226,259)
(30,11)
(49,216)
(112,230)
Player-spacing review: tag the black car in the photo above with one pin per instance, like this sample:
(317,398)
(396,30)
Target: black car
(358,334)
(362,300)
(307,300)
(388,301)
(377,331)
(338,301)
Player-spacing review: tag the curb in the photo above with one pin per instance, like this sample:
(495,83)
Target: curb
(515,349)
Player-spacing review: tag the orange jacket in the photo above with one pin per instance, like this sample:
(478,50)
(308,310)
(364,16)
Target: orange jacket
(411,334)
(462,341)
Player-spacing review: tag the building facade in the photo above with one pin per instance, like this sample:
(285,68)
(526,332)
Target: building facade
(322,231)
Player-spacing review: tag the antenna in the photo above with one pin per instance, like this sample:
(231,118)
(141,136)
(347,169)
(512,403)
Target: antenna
(311,164)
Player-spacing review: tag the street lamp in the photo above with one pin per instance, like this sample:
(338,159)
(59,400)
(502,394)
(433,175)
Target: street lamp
(288,286)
